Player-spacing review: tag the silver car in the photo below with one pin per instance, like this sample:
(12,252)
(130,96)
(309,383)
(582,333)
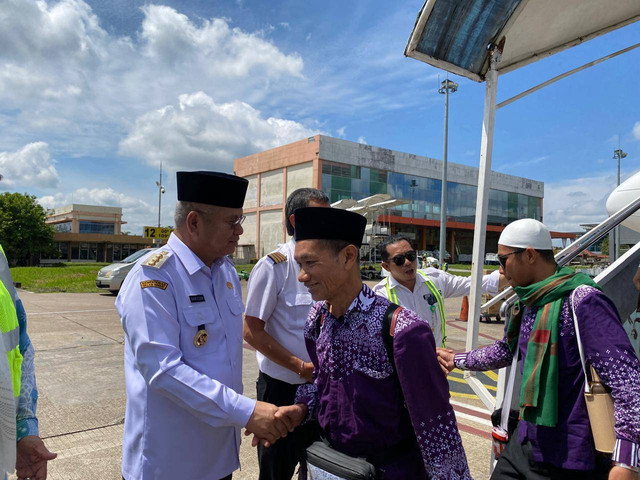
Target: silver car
(112,276)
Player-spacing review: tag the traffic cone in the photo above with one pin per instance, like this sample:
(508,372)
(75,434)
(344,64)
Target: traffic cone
(464,309)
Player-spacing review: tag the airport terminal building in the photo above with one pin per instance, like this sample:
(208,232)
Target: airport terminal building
(349,170)
(92,233)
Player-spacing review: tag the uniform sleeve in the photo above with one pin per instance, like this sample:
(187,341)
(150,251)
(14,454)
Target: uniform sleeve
(426,394)
(150,321)
(607,348)
(26,420)
(381,289)
(458,286)
(262,290)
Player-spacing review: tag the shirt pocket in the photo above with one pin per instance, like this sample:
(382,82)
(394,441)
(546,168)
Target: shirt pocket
(235,304)
(300,302)
(196,316)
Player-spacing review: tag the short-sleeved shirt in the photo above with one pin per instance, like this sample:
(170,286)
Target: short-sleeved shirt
(184,405)
(276,297)
(448,285)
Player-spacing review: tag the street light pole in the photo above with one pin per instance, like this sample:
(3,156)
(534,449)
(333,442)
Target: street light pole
(618,154)
(160,192)
(446,86)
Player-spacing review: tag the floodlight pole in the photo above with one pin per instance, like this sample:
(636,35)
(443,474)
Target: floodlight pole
(160,192)
(482,206)
(445,87)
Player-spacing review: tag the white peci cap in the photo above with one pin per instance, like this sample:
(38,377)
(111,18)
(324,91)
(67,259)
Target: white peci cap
(524,233)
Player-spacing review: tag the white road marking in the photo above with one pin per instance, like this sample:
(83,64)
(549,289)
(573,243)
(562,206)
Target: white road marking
(473,418)
(470,407)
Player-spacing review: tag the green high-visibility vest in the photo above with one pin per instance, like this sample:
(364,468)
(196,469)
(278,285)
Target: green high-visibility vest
(9,324)
(393,296)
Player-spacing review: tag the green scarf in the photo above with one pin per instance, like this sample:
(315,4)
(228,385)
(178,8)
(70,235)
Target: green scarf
(539,391)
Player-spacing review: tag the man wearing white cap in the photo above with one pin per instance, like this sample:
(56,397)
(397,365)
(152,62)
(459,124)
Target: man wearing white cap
(553,438)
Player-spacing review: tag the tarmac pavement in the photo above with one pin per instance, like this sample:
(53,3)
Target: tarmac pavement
(79,367)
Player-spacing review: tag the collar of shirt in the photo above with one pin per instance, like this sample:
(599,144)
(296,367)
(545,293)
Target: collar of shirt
(362,303)
(190,260)
(420,279)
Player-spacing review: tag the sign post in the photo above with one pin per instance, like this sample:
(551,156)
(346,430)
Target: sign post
(157,233)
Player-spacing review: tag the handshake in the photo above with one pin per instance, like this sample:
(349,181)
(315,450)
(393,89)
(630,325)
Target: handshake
(268,423)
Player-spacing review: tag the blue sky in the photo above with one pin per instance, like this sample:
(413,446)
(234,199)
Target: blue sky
(94,94)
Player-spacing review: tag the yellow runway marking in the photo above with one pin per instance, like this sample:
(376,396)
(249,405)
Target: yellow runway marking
(492,375)
(460,380)
(463,395)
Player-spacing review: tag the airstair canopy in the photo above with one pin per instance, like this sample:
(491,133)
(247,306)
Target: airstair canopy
(455,35)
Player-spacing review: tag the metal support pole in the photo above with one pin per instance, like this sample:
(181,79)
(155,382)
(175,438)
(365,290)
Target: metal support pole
(443,198)
(617,234)
(445,87)
(482,207)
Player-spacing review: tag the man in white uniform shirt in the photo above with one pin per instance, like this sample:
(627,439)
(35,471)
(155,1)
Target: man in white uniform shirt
(423,291)
(181,310)
(277,309)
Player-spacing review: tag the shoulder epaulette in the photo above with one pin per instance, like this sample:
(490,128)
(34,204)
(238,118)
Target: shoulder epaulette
(157,259)
(277,257)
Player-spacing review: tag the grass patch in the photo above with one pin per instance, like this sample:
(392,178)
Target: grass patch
(68,277)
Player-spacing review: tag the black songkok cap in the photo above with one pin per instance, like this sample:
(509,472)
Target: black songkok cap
(313,223)
(212,188)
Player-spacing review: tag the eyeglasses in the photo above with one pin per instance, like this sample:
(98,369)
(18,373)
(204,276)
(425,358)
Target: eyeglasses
(503,258)
(232,224)
(399,259)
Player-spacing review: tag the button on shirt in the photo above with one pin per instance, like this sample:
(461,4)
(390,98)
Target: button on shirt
(448,285)
(184,405)
(276,297)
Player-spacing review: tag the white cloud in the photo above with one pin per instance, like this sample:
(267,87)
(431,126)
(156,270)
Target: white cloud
(63,75)
(572,202)
(341,132)
(199,133)
(362,140)
(173,39)
(636,131)
(137,213)
(31,166)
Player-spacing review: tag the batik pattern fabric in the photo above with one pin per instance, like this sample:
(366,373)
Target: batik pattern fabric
(359,398)
(26,420)
(570,443)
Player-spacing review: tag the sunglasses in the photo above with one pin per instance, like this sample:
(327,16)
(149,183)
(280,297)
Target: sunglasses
(399,259)
(503,258)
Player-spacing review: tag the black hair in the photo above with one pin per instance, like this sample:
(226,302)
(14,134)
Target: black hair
(301,198)
(336,246)
(390,241)
(547,256)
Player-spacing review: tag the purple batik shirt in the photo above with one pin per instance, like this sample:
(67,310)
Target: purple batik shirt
(359,400)
(606,346)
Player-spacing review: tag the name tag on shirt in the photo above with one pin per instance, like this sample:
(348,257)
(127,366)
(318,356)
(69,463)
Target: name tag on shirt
(196,298)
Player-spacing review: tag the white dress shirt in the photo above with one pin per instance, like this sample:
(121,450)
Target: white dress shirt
(276,297)
(448,285)
(184,405)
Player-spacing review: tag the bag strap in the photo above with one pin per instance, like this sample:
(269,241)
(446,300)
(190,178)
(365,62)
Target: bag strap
(388,329)
(508,393)
(580,350)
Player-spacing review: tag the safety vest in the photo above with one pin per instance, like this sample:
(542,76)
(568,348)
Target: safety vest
(393,296)
(9,324)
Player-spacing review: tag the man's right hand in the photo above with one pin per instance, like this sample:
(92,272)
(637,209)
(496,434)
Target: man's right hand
(264,424)
(445,358)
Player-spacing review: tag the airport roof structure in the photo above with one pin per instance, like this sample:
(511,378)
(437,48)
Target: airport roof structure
(457,35)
